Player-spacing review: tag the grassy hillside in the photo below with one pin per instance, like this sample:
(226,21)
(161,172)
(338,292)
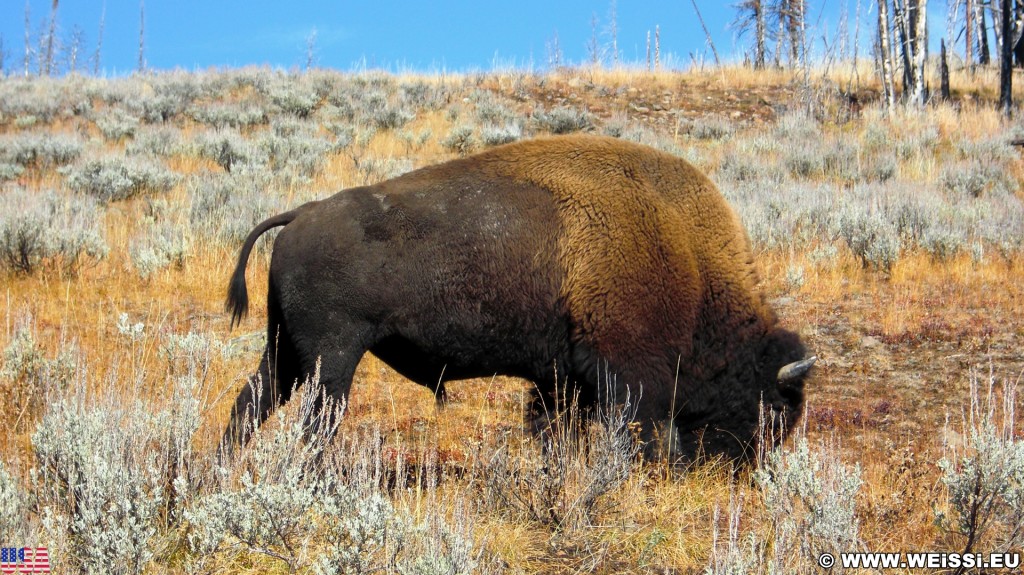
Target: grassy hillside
(891,241)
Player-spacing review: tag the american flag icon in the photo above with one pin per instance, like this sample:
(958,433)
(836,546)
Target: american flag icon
(24,560)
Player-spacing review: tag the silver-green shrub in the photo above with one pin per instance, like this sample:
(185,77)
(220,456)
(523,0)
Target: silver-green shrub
(460,140)
(228,115)
(225,207)
(983,472)
(871,237)
(975,180)
(160,244)
(27,369)
(391,117)
(490,109)
(47,228)
(228,148)
(9,171)
(39,150)
(296,149)
(15,505)
(110,179)
(810,498)
(563,120)
(107,492)
(711,128)
(161,141)
(290,97)
(116,125)
(497,134)
(269,501)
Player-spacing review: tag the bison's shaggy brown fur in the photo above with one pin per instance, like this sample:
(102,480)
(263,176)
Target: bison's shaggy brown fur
(613,265)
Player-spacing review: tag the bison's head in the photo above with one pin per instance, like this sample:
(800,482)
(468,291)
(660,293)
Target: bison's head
(783,366)
(755,401)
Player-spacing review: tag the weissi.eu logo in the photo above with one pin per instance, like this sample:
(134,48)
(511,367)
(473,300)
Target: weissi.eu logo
(24,560)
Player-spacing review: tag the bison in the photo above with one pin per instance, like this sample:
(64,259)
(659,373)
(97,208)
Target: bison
(606,265)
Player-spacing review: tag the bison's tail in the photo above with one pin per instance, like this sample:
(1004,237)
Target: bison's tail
(238,293)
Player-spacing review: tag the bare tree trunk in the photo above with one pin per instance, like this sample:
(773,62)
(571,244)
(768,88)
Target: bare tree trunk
(142,36)
(311,49)
(28,38)
(760,32)
(911,22)
(51,36)
(77,40)
(856,47)
(919,44)
(593,47)
(779,41)
(1006,59)
(984,55)
(1017,26)
(900,24)
(885,64)
(707,34)
(943,72)
(996,8)
(657,47)
(614,30)
(968,28)
(99,42)
(794,16)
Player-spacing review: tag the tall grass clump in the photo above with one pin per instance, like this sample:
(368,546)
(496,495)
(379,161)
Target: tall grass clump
(735,554)
(289,500)
(566,483)
(983,472)
(47,229)
(810,499)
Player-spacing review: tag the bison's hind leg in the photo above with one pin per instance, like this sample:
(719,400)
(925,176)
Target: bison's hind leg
(267,389)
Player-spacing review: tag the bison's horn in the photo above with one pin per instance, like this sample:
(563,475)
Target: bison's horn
(794,370)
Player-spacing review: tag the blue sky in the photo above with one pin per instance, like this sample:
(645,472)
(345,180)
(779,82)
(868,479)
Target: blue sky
(452,35)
